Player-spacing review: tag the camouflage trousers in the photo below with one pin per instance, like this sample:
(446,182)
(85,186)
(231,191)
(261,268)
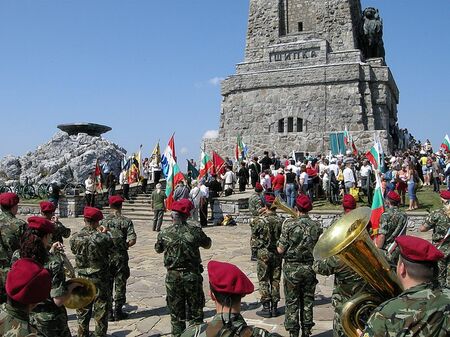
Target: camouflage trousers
(50,320)
(3,272)
(299,288)
(185,299)
(98,309)
(338,301)
(119,272)
(269,275)
(443,265)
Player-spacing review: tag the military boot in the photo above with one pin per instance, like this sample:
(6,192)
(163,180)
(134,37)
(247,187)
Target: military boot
(293,333)
(306,332)
(119,314)
(111,315)
(265,312)
(275,312)
(254,255)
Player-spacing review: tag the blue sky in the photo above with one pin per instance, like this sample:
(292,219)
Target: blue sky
(149,68)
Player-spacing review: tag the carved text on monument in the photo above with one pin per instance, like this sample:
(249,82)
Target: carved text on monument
(291,55)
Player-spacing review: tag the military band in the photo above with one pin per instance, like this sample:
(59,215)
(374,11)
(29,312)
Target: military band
(35,288)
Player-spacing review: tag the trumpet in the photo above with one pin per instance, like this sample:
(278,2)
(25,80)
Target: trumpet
(277,203)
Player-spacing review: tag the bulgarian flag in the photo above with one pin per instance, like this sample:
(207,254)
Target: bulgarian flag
(446,144)
(240,149)
(376,156)
(171,171)
(377,207)
(349,143)
(205,164)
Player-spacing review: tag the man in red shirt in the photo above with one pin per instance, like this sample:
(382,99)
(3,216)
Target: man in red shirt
(278,183)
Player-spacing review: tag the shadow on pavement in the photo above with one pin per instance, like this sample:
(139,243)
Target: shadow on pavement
(328,333)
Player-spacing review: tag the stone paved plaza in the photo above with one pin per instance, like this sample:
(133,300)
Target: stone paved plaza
(146,291)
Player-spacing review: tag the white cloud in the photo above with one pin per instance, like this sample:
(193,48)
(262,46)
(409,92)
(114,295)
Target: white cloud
(211,134)
(184,150)
(215,81)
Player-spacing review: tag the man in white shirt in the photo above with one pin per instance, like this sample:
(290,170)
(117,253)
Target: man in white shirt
(349,177)
(229,179)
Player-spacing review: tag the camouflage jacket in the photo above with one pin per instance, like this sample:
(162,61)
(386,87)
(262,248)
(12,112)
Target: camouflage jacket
(440,223)
(180,243)
(266,231)
(346,281)
(254,204)
(92,251)
(420,311)
(298,238)
(11,230)
(60,232)
(121,230)
(14,323)
(216,328)
(392,222)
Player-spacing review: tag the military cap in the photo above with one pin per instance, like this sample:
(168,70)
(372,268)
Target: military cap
(28,282)
(269,199)
(115,200)
(9,199)
(348,201)
(93,213)
(303,203)
(41,224)
(445,195)
(393,196)
(229,279)
(47,207)
(415,249)
(183,206)
(258,187)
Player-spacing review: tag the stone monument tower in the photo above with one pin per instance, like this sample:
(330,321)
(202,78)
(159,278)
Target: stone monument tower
(306,76)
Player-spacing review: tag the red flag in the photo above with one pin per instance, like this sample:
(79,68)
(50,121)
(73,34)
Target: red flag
(218,163)
(172,146)
(98,176)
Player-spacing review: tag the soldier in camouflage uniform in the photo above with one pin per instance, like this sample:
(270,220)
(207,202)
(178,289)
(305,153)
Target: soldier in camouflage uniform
(423,308)
(180,244)
(439,221)
(48,211)
(255,204)
(122,232)
(392,224)
(297,240)
(347,282)
(228,285)
(266,230)
(28,283)
(49,316)
(92,247)
(11,229)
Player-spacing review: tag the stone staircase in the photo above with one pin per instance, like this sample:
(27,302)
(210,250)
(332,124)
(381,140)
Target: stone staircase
(139,208)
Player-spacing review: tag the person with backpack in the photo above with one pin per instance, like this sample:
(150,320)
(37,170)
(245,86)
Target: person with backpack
(228,285)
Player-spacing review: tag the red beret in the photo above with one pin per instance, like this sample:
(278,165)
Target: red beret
(418,250)
(9,199)
(47,207)
(41,224)
(348,201)
(445,195)
(258,187)
(393,196)
(184,206)
(269,198)
(303,203)
(115,200)
(229,279)
(93,213)
(28,282)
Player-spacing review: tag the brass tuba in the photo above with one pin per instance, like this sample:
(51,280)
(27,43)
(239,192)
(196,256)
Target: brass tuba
(277,203)
(80,296)
(349,240)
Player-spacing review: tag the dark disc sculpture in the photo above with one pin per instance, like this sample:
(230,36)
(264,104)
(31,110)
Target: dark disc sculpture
(92,129)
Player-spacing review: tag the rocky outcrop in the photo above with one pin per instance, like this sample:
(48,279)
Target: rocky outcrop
(63,159)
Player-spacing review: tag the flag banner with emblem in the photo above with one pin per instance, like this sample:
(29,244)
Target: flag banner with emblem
(218,163)
(240,152)
(133,172)
(168,156)
(446,144)
(156,155)
(377,206)
(98,176)
(126,163)
(205,164)
(192,169)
